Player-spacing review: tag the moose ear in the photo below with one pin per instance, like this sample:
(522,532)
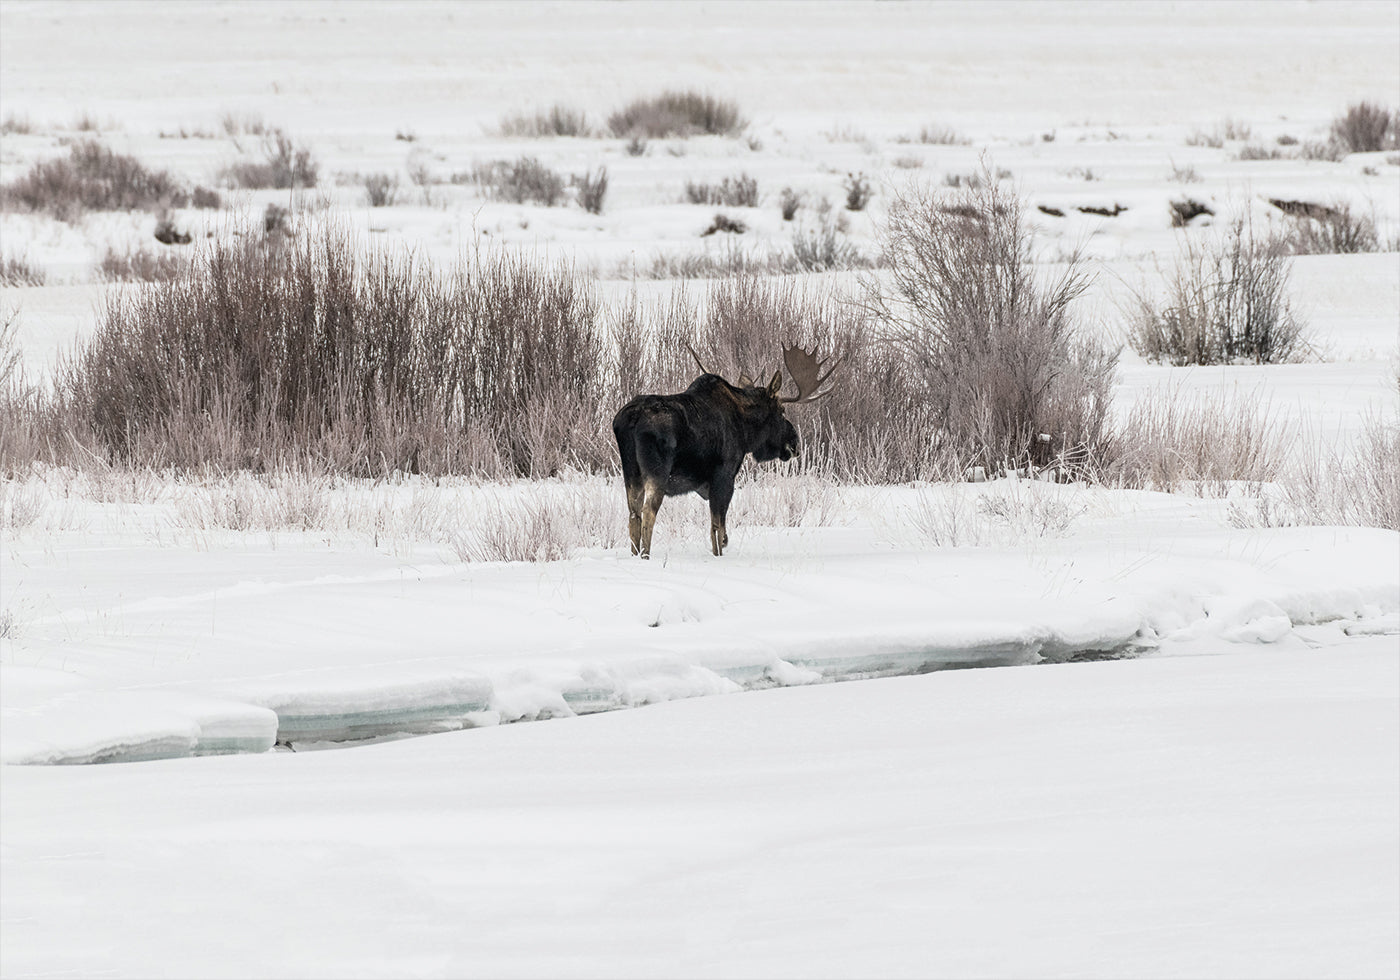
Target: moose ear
(776,384)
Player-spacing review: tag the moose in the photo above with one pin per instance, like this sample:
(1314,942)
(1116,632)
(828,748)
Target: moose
(695,441)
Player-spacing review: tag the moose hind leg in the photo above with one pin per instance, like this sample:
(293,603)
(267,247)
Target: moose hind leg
(634,518)
(651,503)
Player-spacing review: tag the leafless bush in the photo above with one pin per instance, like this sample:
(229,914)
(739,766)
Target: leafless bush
(1226,129)
(92,178)
(16,125)
(994,351)
(971,181)
(592,188)
(789,203)
(285,164)
(936,135)
(381,190)
(1235,129)
(276,221)
(677,114)
(1258,151)
(1185,175)
(823,248)
(1329,150)
(732,260)
(636,147)
(1336,230)
(238,124)
(139,265)
(1226,302)
(557,120)
(264,356)
(17,270)
(858,192)
(732,192)
(1366,127)
(525,180)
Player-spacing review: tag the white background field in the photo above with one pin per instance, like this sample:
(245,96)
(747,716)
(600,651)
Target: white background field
(1222,801)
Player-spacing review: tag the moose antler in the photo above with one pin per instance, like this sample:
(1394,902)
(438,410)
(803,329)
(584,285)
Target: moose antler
(805,370)
(698,363)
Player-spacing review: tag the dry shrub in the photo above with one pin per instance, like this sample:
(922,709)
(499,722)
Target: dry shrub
(17,270)
(522,181)
(1366,127)
(285,164)
(557,120)
(994,352)
(858,192)
(260,356)
(1227,301)
(1330,150)
(92,178)
(677,114)
(17,125)
(139,265)
(936,135)
(1258,151)
(732,192)
(592,188)
(822,247)
(381,190)
(1335,230)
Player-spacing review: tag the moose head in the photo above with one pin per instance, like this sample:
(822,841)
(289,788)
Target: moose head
(696,440)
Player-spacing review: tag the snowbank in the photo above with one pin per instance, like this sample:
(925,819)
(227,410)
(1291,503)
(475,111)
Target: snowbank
(124,648)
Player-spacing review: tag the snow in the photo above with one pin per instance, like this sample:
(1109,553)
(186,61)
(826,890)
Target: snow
(309,639)
(1204,816)
(1185,762)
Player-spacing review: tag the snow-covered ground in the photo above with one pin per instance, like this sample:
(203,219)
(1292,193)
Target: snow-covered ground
(1185,765)
(1209,816)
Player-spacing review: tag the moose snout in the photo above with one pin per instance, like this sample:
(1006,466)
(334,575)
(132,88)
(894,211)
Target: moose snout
(790,449)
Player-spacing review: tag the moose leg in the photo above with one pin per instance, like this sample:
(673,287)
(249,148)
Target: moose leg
(634,517)
(720,494)
(651,503)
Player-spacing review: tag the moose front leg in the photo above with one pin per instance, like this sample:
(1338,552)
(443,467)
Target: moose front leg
(721,492)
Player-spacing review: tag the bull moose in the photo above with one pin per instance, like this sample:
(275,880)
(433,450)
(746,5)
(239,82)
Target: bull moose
(697,440)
